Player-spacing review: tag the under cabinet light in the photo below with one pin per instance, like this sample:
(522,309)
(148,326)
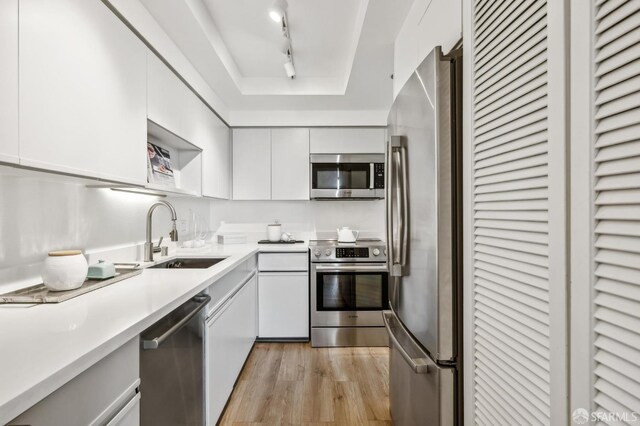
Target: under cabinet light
(130,189)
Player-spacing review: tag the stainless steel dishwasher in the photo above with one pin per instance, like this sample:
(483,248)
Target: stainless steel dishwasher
(171,367)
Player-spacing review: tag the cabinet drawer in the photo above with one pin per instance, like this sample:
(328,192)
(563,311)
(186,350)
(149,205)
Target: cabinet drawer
(278,262)
(92,396)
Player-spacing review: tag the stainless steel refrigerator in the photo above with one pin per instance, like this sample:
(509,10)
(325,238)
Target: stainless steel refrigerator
(424,245)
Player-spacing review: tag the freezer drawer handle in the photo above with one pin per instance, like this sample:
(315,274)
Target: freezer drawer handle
(419,365)
(157,341)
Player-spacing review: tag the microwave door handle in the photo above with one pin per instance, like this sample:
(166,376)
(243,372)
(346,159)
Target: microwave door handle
(371,176)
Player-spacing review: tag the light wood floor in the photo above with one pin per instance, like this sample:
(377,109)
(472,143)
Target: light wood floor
(293,383)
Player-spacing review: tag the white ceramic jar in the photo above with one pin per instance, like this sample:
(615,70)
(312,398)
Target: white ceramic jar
(274,231)
(64,270)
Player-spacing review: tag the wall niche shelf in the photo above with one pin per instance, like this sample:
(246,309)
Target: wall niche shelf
(186,162)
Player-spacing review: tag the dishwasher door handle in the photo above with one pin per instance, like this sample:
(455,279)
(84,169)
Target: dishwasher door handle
(157,341)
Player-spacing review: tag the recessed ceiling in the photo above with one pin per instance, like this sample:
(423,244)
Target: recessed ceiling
(325,36)
(343,50)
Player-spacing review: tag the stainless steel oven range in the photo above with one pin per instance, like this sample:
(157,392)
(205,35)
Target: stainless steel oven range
(349,291)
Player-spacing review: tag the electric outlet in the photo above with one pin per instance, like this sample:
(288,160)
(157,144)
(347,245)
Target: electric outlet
(182,226)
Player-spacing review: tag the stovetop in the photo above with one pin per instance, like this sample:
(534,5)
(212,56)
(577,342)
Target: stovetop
(363,250)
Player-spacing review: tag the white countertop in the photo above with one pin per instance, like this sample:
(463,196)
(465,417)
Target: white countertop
(44,346)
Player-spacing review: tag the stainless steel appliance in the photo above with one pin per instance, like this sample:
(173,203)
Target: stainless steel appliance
(356,176)
(171,367)
(349,291)
(424,245)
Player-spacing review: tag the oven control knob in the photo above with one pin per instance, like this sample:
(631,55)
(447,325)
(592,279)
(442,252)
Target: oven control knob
(317,252)
(327,252)
(376,252)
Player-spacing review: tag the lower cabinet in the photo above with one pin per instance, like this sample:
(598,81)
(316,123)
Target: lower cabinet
(283,311)
(230,333)
(105,394)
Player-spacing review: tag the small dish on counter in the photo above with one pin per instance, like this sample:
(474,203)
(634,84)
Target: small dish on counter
(101,271)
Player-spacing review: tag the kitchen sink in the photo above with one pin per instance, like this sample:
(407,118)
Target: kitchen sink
(189,263)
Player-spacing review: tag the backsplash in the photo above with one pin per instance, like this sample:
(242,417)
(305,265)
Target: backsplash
(41,214)
(302,218)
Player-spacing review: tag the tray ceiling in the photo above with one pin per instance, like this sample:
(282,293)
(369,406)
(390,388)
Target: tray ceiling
(343,50)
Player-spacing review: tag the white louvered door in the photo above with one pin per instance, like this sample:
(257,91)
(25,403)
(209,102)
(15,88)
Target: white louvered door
(514,338)
(616,195)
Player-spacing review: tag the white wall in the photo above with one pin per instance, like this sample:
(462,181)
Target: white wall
(303,217)
(40,214)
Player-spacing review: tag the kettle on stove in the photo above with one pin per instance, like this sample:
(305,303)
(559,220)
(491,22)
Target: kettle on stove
(346,235)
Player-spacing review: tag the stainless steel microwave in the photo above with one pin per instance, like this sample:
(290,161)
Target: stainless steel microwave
(347,176)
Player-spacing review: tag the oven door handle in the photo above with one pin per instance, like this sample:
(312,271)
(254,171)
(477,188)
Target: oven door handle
(359,268)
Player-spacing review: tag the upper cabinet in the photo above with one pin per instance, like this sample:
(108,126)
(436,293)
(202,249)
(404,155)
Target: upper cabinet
(9,81)
(176,109)
(216,157)
(290,164)
(429,23)
(347,141)
(251,164)
(271,164)
(82,92)
(170,104)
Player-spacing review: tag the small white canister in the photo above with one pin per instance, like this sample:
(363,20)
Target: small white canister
(64,270)
(274,231)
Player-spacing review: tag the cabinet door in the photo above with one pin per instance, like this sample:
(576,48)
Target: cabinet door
(105,391)
(283,305)
(251,164)
(170,103)
(216,157)
(290,164)
(230,334)
(347,141)
(83,97)
(9,81)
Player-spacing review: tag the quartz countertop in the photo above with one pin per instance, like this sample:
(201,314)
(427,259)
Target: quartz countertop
(44,346)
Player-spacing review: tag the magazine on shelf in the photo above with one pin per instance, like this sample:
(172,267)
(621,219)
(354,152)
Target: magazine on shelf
(159,165)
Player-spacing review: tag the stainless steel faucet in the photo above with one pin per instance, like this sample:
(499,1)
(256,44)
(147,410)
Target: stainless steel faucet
(148,245)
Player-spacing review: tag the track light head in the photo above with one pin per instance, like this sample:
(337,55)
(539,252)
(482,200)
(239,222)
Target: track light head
(278,10)
(289,69)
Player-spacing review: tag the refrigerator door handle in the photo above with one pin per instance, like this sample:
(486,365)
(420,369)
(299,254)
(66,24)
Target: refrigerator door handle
(389,203)
(404,232)
(418,365)
(396,186)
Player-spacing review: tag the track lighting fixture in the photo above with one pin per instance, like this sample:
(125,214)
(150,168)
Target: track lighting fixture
(289,69)
(278,10)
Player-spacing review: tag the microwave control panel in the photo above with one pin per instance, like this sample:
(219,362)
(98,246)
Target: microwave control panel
(378,178)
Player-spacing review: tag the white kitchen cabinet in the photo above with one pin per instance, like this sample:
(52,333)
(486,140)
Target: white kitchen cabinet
(9,149)
(283,305)
(82,91)
(347,140)
(290,164)
(251,164)
(216,156)
(405,51)
(105,394)
(230,333)
(283,295)
(170,102)
(428,24)
(440,26)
